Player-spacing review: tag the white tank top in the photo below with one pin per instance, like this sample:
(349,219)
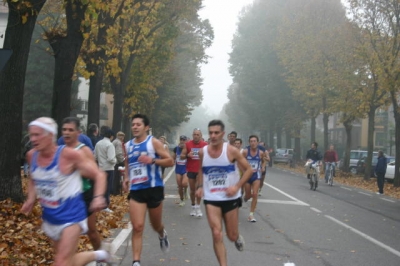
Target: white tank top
(219,174)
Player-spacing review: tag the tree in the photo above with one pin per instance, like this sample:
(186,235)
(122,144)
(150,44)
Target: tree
(21,22)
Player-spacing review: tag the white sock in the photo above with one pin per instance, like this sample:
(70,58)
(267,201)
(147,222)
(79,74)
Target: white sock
(101,255)
(197,206)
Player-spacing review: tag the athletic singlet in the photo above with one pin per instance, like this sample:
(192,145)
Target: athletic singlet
(180,163)
(142,176)
(219,174)
(59,195)
(193,163)
(85,182)
(255,163)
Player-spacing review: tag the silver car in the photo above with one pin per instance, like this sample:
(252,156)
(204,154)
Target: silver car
(283,155)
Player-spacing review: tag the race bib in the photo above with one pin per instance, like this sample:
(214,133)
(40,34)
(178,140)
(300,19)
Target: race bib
(217,182)
(254,165)
(46,191)
(195,152)
(179,161)
(138,173)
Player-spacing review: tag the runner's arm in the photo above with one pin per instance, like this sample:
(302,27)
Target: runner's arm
(184,152)
(199,187)
(242,163)
(31,199)
(166,159)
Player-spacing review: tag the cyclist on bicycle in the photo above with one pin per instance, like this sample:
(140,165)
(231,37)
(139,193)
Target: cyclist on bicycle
(330,159)
(314,156)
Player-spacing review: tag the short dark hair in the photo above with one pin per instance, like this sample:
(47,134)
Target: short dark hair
(73,120)
(145,119)
(108,133)
(233,133)
(92,128)
(315,143)
(240,140)
(217,122)
(253,136)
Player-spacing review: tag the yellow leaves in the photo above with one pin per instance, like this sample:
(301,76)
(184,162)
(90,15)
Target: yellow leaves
(24,18)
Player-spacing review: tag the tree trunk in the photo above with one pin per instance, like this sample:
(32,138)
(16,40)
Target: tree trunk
(288,139)
(279,137)
(297,146)
(118,101)
(271,138)
(396,115)
(370,142)
(313,127)
(12,78)
(325,119)
(346,160)
(66,51)
(96,83)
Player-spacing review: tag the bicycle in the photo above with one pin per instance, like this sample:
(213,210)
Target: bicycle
(314,173)
(329,167)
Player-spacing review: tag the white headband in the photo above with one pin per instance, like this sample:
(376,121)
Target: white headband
(46,127)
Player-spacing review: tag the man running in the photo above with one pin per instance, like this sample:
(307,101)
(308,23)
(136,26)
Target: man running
(256,159)
(145,157)
(180,170)
(220,183)
(191,153)
(56,180)
(238,144)
(263,148)
(232,137)
(70,132)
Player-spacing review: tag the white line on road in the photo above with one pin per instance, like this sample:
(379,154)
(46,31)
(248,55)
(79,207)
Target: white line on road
(169,174)
(288,202)
(287,195)
(369,238)
(347,188)
(388,200)
(365,193)
(316,210)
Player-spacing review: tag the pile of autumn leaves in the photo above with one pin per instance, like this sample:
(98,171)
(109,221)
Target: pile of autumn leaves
(22,242)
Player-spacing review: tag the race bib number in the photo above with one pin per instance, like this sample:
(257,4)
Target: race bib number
(254,165)
(195,152)
(46,191)
(180,161)
(138,173)
(218,182)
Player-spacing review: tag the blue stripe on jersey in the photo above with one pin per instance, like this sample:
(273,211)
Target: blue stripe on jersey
(143,176)
(61,216)
(215,169)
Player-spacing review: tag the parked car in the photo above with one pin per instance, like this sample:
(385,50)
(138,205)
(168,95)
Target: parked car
(283,155)
(390,171)
(355,156)
(361,164)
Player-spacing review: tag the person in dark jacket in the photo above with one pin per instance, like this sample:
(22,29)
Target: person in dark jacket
(314,155)
(380,171)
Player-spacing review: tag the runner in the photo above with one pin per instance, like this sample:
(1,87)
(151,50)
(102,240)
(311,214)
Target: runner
(70,132)
(256,158)
(191,153)
(180,171)
(146,155)
(220,182)
(56,180)
(232,137)
(263,148)
(238,144)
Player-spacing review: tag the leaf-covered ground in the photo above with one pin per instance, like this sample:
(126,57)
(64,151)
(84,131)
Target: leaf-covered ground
(353,180)
(22,242)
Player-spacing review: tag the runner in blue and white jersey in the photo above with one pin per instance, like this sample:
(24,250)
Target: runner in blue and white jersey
(180,170)
(56,181)
(256,159)
(220,183)
(143,179)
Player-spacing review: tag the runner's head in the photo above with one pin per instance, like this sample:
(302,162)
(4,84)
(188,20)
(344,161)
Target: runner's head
(231,137)
(197,135)
(238,143)
(216,131)
(140,125)
(70,130)
(43,132)
(253,141)
(182,140)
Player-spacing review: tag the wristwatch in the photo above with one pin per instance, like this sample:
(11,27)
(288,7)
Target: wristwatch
(153,161)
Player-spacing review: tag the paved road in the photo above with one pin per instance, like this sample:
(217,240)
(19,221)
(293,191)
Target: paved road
(332,226)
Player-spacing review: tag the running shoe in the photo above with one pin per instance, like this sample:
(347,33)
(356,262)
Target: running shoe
(259,192)
(182,203)
(136,264)
(164,243)
(239,243)
(251,219)
(111,259)
(193,211)
(198,212)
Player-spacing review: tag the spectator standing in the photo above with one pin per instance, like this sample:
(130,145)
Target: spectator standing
(380,171)
(120,156)
(104,152)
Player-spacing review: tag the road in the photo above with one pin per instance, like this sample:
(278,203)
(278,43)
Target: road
(336,225)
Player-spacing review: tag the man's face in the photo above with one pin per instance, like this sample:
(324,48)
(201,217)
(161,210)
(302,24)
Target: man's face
(253,143)
(231,138)
(216,135)
(70,133)
(196,135)
(121,138)
(331,147)
(40,138)
(181,142)
(238,144)
(138,127)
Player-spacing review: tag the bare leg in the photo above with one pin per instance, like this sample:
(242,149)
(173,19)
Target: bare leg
(137,213)
(180,187)
(155,216)
(92,233)
(214,216)
(255,186)
(192,185)
(232,224)
(247,191)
